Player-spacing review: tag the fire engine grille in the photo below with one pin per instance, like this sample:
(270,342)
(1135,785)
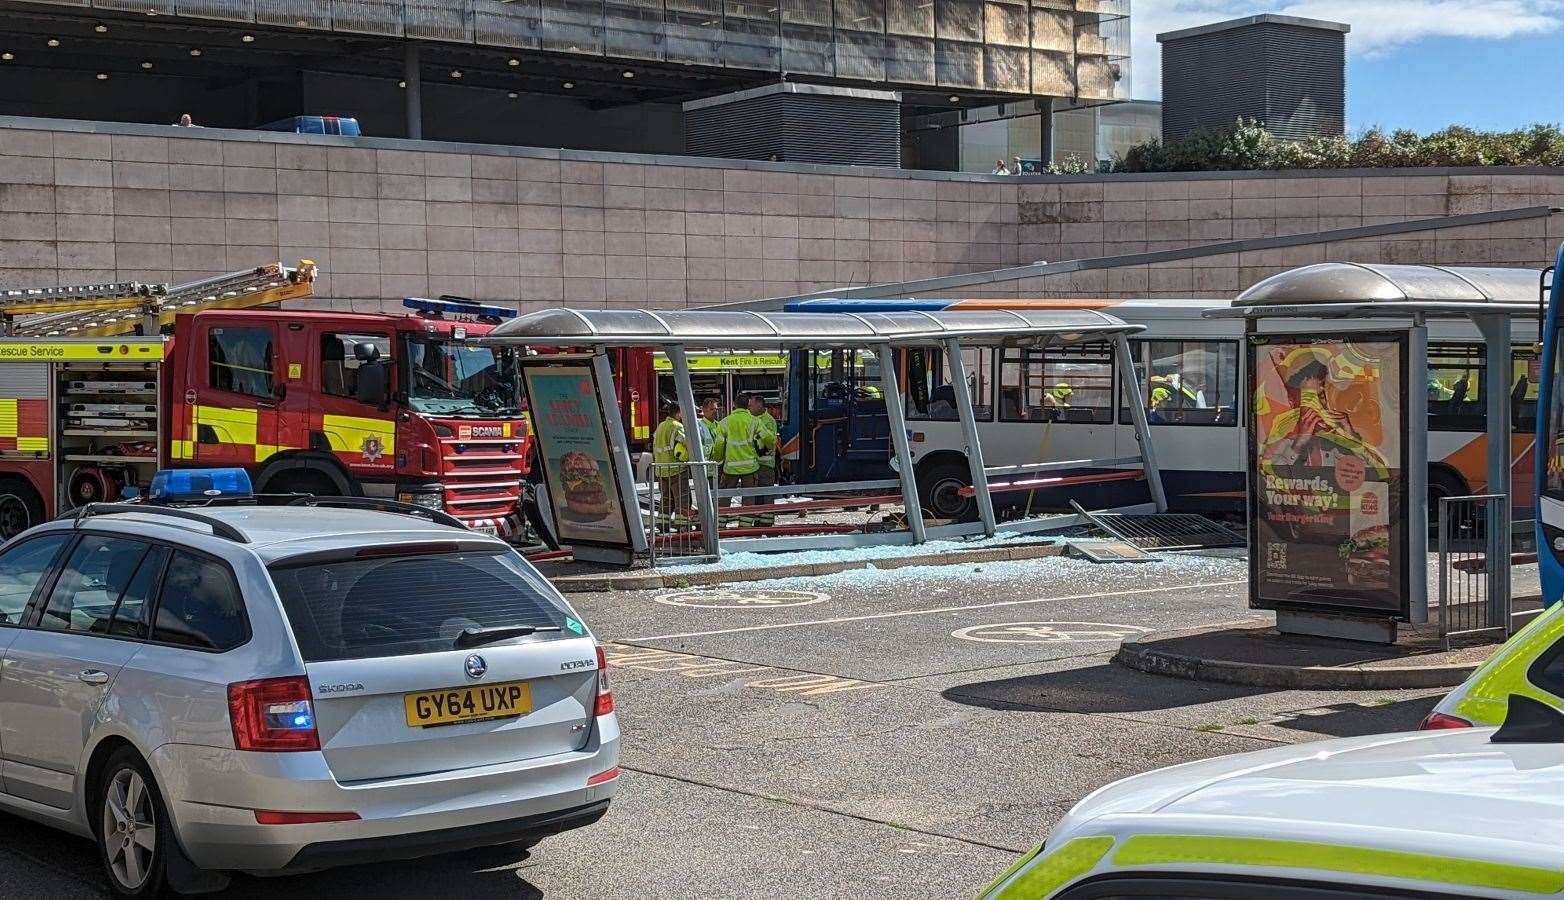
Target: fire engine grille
(482,481)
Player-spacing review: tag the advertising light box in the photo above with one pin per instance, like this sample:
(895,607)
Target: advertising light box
(1327,473)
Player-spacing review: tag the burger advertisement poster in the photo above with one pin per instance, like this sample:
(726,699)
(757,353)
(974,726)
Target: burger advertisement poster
(1327,473)
(567,418)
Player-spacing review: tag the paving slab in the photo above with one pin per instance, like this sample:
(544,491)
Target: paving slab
(1255,653)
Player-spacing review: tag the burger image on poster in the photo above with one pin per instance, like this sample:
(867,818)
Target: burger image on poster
(1367,550)
(581,480)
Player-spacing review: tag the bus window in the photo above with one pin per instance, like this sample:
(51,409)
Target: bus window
(1066,384)
(1524,382)
(1186,382)
(824,373)
(767,384)
(928,393)
(1457,397)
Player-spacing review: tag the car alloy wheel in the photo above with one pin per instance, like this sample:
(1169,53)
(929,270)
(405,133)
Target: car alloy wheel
(129,829)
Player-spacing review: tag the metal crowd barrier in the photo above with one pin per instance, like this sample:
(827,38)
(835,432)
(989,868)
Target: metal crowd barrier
(1474,566)
(673,526)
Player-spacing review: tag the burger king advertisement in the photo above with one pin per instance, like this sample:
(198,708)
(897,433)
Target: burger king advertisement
(567,418)
(1327,475)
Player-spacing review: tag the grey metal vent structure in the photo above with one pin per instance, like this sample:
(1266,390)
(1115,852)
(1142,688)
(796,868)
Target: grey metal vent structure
(1287,72)
(1164,531)
(805,123)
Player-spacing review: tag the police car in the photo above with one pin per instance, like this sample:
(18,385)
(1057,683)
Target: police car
(1442,814)
(1531,663)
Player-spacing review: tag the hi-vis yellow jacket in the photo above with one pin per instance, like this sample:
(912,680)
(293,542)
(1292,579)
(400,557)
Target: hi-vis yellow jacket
(668,446)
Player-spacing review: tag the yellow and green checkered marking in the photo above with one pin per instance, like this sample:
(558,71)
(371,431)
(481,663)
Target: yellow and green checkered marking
(1052,870)
(1042,875)
(1487,692)
(1171,849)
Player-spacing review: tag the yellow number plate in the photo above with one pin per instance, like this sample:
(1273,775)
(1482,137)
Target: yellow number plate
(478,703)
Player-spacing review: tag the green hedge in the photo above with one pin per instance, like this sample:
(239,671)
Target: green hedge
(1246,145)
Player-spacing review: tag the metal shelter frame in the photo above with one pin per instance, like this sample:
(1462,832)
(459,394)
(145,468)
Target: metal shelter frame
(676,332)
(1490,298)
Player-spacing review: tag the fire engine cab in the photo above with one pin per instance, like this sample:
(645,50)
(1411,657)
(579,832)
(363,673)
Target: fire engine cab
(95,398)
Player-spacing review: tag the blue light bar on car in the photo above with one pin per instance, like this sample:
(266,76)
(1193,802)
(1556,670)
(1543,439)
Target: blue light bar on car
(186,485)
(449,305)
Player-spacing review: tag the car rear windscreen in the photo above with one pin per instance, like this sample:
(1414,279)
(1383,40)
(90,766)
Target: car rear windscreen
(400,605)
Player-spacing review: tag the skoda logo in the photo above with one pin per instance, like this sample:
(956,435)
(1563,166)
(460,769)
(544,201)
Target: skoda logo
(476,667)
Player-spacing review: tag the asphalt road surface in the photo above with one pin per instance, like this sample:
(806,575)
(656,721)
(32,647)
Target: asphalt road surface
(873,734)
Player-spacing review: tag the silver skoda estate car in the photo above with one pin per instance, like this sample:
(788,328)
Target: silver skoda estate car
(277,689)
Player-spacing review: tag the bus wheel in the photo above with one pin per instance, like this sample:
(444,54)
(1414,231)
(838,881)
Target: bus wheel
(939,489)
(20,507)
(1443,483)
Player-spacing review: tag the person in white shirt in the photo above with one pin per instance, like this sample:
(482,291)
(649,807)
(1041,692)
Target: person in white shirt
(999,168)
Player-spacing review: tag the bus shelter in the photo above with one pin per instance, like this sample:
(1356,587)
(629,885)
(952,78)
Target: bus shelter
(1339,394)
(678,333)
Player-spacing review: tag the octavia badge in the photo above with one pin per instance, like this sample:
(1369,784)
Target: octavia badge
(476,667)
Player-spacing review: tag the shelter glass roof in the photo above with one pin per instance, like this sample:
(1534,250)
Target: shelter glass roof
(1341,288)
(699,329)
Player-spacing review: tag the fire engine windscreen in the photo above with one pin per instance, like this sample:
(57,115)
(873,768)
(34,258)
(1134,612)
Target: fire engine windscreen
(449,378)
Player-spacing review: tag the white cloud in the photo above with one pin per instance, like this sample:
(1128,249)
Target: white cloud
(1378,26)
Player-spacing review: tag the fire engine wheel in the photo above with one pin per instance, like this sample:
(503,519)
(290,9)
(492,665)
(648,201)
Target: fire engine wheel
(303,481)
(20,507)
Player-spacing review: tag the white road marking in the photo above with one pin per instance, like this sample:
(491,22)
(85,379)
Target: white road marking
(741,599)
(1047,632)
(944,609)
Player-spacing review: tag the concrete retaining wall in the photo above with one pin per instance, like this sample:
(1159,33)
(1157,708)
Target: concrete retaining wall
(83,202)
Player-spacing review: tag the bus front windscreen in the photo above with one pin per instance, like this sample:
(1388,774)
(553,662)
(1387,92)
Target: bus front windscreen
(1553,461)
(449,378)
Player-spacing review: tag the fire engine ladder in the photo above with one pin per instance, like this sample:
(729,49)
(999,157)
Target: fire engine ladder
(121,308)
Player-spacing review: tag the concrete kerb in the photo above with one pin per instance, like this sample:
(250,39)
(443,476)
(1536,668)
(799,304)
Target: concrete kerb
(673,578)
(1135,654)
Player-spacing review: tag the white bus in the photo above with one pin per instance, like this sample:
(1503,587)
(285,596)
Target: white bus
(1059,404)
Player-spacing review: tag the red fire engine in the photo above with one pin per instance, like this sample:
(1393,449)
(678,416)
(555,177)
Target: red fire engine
(395,406)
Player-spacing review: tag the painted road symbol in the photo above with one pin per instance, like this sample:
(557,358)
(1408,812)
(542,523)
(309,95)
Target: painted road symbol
(742,599)
(1047,632)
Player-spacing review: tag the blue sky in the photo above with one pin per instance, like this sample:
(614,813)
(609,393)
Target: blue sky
(1419,64)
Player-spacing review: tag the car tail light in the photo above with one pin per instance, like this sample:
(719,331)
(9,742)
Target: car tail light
(1438,720)
(605,697)
(273,715)
(273,817)
(601,777)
